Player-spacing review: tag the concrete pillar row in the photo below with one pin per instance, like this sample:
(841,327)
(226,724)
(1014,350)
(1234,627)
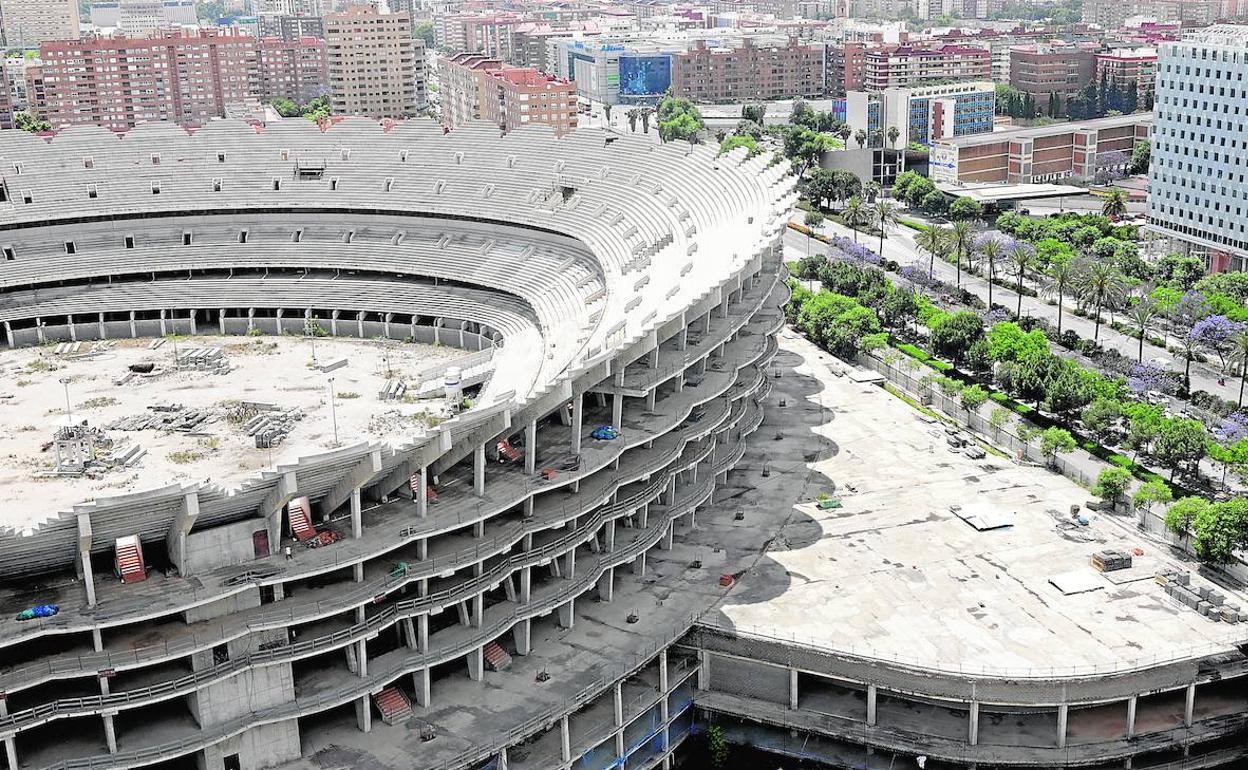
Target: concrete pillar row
(871,700)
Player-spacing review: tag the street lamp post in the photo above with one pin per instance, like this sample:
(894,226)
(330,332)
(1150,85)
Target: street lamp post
(69,411)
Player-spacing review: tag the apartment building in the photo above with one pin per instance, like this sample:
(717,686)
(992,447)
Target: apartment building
(750,69)
(118,82)
(140,17)
(921,115)
(1123,68)
(476,87)
(1198,191)
(6,100)
(376,68)
(1041,69)
(291,7)
(485,33)
(27,23)
(1043,154)
(294,69)
(288,27)
(908,66)
(844,67)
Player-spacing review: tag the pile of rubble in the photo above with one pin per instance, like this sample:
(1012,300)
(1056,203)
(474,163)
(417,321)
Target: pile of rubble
(1205,600)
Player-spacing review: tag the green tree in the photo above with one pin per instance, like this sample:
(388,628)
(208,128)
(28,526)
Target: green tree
(1150,493)
(1219,530)
(1112,483)
(1115,204)
(1142,314)
(1008,342)
(286,108)
(732,142)
(1141,157)
(1101,415)
(35,124)
(861,138)
(423,30)
(1055,441)
(1020,257)
(680,120)
(955,333)
(989,249)
(1100,284)
(1057,283)
(884,216)
(754,113)
(965,208)
(1181,443)
(717,746)
(855,214)
(961,237)
(934,241)
(1239,357)
(973,397)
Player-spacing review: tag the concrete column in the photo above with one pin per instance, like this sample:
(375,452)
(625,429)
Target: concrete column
(523,634)
(530,447)
(704,671)
(97,640)
(619,718)
(478,470)
(422,549)
(871,696)
(362,656)
(1131,705)
(665,543)
(364,714)
(654,357)
(569,573)
(608,536)
(526,585)
(793,688)
(1063,712)
(221,321)
(973,728)
(110,733)
(422,495)
(478,610)
(357,514)
(10,750)
(664,680)
(639,565)
(476,664)
(103,330)
(578,416)
(502,759)
(606,585)
(567,614)
(565,740)
(357,570)
(194,324)
(422,633)
(1189,708)
(422,685)
(650,398)
(164,329)
(617,409)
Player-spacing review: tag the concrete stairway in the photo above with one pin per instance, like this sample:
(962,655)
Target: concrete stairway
(130,565)
(496,658)
(393,705)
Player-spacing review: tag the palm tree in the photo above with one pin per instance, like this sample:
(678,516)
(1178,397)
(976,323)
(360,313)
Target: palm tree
(1020,257)
(884,214)
(960,238)
(1099,282)
(1115,204)
(1141,315)
(1239,355)
(854,214)
(861,138)
(935,243)
(845,132)
(893,134)
(990,250)
(1061,276)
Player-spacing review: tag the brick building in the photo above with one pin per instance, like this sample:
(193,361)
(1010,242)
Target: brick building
(1044,154)
(753,70)
(1123,67)
(908,66)
(294,69)
(376,68)
(119,82)
(1043,69)
(480,87)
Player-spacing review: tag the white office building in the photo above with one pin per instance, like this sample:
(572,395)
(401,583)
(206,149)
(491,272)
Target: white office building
(1197,189)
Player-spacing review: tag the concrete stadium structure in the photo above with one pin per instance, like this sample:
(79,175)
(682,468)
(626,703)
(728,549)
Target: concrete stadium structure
(618,283)
(588,281)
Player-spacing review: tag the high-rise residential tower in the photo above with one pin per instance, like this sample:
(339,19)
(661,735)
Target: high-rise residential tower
(375,67)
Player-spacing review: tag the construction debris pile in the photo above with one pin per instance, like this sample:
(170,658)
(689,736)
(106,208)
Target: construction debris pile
(84,451)
(268,423)
(208,360)
(1205,600)
(173,418)
(1111,560)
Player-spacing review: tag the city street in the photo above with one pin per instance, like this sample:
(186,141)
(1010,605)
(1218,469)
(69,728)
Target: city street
(900,246)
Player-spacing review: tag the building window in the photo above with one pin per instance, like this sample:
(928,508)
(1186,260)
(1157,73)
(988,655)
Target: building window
(129,241)
(70,247)
(186,238)
(9,254)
